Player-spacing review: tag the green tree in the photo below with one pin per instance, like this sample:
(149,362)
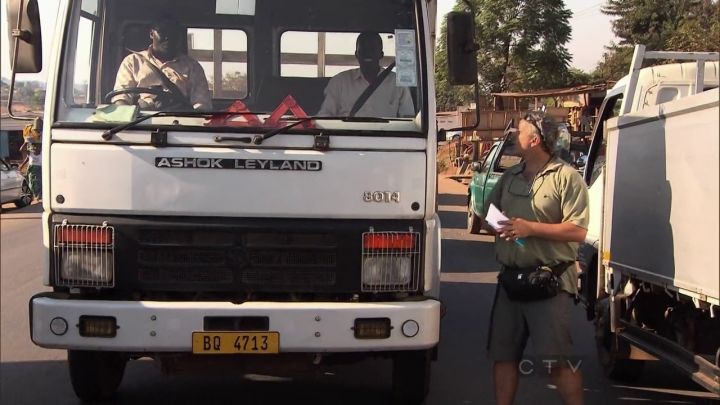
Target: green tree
(700,31)
(522,47)
(577,77)
(614,64)
(673,25)
(235,81)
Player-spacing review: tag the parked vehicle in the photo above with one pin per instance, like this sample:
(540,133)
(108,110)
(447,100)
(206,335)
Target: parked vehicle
(13,186)
(322,241)
(485,175)
(650,272)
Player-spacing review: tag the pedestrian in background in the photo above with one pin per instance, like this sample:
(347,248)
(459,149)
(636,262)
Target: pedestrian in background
(545,200)
(35,169)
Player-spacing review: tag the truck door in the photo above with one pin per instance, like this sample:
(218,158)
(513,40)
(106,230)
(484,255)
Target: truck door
(503,160)
(595,179)
(477,184)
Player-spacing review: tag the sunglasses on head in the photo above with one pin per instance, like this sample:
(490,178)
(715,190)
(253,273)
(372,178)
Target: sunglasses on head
(528,118)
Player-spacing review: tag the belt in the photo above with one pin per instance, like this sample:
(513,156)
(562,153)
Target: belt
(557,269)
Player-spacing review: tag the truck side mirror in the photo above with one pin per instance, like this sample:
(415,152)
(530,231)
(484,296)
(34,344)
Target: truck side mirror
(476,167)
(461,48)
(25,36)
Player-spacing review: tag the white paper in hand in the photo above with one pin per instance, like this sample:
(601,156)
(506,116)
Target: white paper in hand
(494,216)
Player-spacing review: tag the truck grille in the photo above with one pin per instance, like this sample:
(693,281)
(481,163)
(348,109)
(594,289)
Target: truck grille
(251,260)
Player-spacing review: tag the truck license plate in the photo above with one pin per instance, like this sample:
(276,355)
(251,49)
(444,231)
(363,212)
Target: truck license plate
(235,342)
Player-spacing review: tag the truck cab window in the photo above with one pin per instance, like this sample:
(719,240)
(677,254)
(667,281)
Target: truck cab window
(245,55)
(596,161)
(84,53)
(222,53)
(488,159)
(324,54)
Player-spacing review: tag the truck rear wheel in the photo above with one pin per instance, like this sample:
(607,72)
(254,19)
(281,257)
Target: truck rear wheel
(95,375)
(411,376)
(612,350)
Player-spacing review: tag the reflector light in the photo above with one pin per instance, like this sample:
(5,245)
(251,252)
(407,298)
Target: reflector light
(89,235)
(98,326)
(372,328)
(388,241)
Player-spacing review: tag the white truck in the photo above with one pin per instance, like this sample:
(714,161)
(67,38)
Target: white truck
(650,275)
(256,227)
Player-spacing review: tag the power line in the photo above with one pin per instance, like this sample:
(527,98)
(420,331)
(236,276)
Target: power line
(588,10)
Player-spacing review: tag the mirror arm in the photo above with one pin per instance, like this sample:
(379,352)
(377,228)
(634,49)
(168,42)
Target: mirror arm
(17,34)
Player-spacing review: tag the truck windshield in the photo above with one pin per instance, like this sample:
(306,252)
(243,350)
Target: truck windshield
(298,58)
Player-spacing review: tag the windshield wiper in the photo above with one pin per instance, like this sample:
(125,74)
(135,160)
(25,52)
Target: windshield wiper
(107,135)
(258,139)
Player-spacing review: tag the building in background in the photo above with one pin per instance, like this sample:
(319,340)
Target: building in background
(11,139)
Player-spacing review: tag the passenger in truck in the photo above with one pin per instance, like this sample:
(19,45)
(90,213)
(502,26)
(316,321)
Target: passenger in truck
(161,77)
(344,94)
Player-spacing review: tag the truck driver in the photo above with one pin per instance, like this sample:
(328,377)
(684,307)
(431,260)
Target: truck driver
(181,73)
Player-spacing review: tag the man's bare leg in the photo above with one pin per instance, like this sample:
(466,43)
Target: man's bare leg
(569,384)
(506,376)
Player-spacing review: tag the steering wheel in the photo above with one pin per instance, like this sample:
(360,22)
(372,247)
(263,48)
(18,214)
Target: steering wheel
(166,98)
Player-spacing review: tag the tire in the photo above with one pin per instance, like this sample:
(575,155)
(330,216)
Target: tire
(473,221)
(411,376)
(25,196)
(612,350)
(96,376)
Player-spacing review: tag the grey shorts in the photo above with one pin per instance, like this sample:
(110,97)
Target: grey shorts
(546,322)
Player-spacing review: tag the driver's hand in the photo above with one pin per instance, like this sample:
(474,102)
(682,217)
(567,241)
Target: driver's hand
(148,105)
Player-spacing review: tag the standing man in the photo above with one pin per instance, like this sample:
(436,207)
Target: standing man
(35,169)
(343,90)
(546,201)
(164,54)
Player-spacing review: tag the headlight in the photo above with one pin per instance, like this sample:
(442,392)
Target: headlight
(382,271)
(84,255)
(87,267)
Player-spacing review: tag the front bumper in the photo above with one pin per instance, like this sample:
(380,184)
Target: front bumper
(158,326)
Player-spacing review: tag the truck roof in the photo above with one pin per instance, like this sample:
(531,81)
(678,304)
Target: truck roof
(675,75)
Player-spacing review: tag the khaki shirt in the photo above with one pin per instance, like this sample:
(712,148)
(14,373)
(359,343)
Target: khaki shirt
(557,195)
(388,100)
(183,71)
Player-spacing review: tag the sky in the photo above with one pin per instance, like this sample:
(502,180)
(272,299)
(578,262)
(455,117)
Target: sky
(591,31)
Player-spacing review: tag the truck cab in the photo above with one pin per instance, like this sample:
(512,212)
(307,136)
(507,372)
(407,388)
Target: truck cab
(255,224)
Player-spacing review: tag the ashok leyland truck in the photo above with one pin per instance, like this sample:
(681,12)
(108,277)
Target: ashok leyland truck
(254,230)
(650,271)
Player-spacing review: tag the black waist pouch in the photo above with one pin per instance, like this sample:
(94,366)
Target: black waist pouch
(532,283)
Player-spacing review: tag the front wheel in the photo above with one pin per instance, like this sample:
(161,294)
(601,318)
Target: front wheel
(95,375)
(411,376)
(612,351)
(473,221)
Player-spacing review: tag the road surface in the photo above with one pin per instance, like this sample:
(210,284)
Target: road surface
(462,375)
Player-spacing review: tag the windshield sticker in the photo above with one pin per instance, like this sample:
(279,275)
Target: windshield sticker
(406,70)
(240,164)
